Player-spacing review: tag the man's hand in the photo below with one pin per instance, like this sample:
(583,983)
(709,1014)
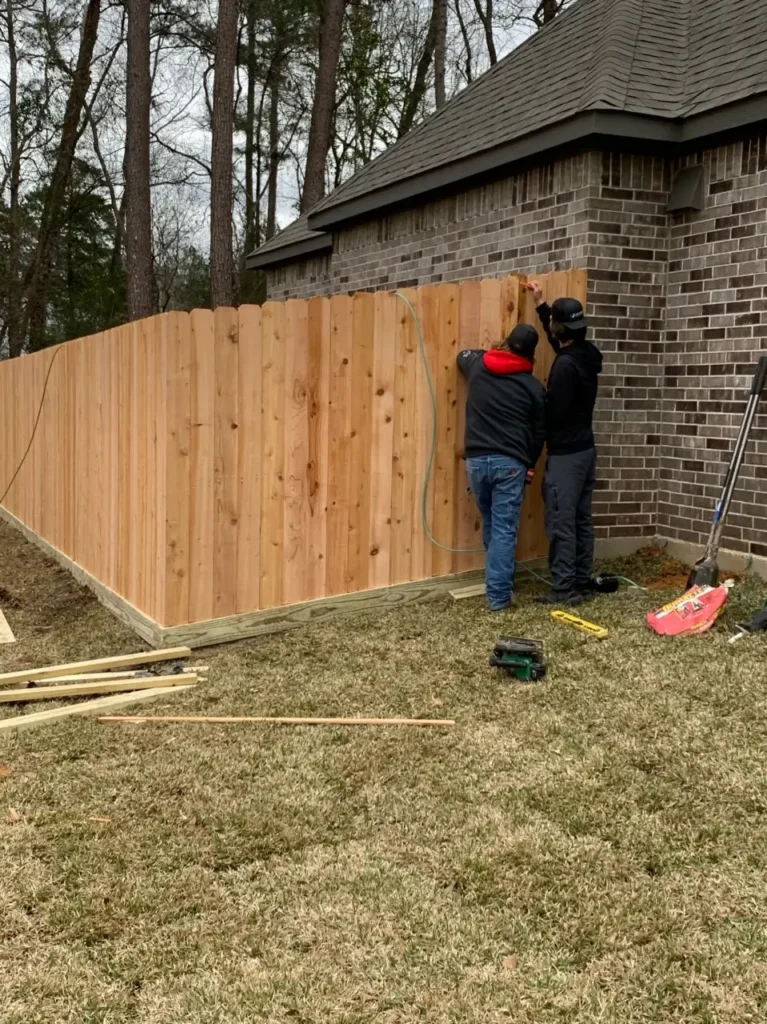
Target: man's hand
(529,477)
(537,290)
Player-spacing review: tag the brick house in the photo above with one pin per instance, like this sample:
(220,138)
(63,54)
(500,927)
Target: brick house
(642,158)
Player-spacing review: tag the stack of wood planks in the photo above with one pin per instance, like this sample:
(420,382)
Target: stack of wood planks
(126,677)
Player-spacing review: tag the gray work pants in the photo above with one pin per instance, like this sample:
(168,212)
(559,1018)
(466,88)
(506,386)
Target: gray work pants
(568,489)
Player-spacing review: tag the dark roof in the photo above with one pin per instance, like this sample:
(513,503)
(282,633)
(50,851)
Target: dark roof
(654,70)
(294,242)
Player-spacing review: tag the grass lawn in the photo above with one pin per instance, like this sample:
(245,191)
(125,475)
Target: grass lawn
(588,849)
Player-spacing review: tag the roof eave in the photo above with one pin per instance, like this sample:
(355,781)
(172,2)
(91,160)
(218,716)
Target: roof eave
(592,126)
(289,253)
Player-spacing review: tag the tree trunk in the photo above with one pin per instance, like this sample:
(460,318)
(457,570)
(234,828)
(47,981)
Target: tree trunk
(466,42)
(221,169)
(36,280)
(275,76)
(139,284)
(417,93)
(440,44)
(485,15)
(324,99)
(251,187)
(15,337)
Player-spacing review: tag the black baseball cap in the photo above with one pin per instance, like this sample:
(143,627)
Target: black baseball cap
(569,313)
(523,340)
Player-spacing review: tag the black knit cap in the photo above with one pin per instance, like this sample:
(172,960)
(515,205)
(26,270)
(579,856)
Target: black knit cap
(569,313)
(523,340)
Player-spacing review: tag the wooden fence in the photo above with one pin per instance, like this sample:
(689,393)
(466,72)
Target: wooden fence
(207,465)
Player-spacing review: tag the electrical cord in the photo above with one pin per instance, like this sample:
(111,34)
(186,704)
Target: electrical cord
(34,428)
(433,454)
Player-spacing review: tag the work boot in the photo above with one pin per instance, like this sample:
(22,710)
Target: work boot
(569,598)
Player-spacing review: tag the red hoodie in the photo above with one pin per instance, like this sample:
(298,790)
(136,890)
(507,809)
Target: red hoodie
(498,360)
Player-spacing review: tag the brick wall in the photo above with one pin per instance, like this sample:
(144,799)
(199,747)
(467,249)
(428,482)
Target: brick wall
(300,280)
(628,262)
(716,329)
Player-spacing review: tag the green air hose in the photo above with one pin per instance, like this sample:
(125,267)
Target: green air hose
(433,455)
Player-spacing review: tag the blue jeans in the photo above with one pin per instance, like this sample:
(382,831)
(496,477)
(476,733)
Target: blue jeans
(498,485)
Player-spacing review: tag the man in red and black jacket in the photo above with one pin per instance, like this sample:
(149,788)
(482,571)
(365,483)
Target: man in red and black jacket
(505,431)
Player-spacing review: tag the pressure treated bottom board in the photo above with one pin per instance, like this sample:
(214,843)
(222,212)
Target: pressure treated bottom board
(248,624)
(277,620)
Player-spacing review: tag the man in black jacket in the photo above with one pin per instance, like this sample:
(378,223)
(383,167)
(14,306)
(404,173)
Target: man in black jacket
(570,478)
(505,430)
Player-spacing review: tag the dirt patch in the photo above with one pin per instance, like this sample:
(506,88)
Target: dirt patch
(671,575)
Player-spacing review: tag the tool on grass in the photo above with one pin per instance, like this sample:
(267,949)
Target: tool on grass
(758,624)
(589,628)
(705,572)
(520,658)
(607,584)
(694,612)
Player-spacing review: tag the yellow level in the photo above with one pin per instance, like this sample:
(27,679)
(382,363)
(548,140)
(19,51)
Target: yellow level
(590,628)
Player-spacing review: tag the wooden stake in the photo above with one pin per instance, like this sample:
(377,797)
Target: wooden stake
(87,689)
(225,719)
(90,707)
(95,677)
(460,595)
(6,633)
(121,661)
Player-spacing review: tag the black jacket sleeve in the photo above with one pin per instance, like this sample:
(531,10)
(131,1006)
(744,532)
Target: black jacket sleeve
(467,359)
(563,388)
(544,315)
(539,427)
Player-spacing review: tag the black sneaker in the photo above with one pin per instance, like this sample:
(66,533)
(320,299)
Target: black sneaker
(554,597)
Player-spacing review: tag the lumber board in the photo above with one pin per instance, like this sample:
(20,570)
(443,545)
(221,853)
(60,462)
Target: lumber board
(446,385)
(467,532)
(296,453)
(340,428)
(142,624)
(382,439)
(403,507)
(201,536)
(361,442)
(90,707)
(117,661)
(127,492)
(490,313)
(465,592)
(249,460)
(421,561)
(226,419)
(318,468)
(62,690)
(253,719)
(273,458)
(277,620)
(6,633)
(94,677)
(178,469)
